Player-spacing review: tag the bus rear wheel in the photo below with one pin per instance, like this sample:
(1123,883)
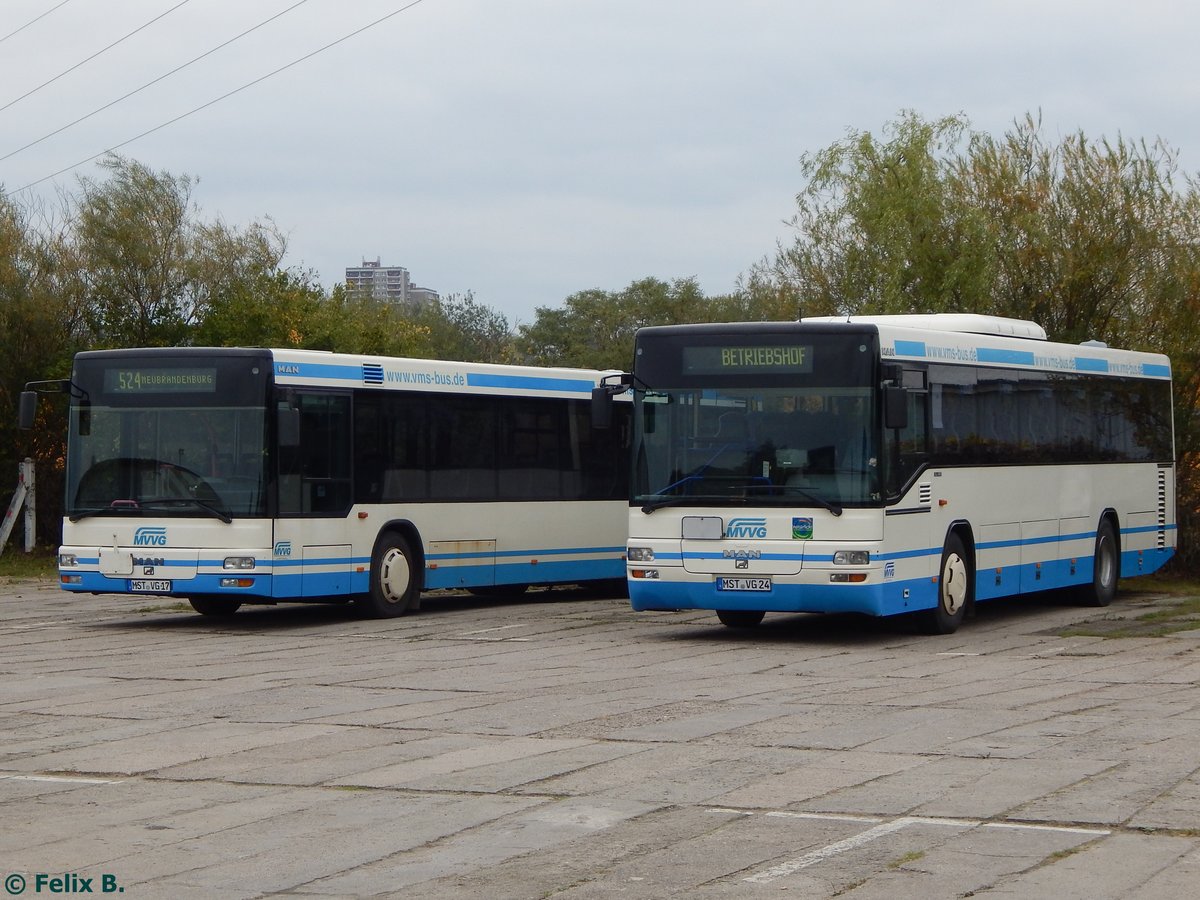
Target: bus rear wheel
(954,590)
(394,578)
(740,618)
(1106,568)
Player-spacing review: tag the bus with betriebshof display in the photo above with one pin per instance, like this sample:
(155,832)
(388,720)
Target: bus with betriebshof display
(891,465)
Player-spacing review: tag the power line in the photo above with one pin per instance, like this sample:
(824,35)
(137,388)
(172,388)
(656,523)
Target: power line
(31,21)
(150,83)
(225,96)
(93,56)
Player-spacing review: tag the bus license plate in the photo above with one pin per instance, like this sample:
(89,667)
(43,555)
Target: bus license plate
(150,586)
(744,584)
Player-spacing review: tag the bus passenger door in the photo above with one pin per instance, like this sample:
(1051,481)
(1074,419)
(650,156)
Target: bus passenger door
(312,552)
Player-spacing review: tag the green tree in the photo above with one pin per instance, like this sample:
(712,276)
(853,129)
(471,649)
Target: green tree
(1092,239)
(36,343)
(131,232)
(460,327)
(879,227)
(268,309)
(595,328)
(148,267)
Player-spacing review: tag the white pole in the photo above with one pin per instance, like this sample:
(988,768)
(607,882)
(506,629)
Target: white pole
(28,473)
(10,517)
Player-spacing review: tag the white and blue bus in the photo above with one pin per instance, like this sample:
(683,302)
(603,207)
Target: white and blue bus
(894,464)
(234,476)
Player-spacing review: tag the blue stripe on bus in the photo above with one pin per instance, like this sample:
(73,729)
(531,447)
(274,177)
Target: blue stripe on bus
(880,598)
(525,573)
(318,370)
(808,556)
(1006,357)
(530,382)
(910,348)
(474,379)
(1003,356)
(532,553)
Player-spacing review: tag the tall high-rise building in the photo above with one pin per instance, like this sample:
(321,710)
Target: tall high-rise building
(389,283)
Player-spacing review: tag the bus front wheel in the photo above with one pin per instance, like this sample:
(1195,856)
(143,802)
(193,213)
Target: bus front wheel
(209,606)
(954,590)
(394,578)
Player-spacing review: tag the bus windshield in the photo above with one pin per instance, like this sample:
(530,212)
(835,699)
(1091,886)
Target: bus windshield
(798,447)
(781,421)
(168,438)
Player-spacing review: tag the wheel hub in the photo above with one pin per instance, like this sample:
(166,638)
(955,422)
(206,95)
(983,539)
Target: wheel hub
(954,584)
(394,575)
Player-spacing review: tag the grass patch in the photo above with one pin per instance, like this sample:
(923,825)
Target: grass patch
(171,607)
(1169,607)
(16,563)
(906,859)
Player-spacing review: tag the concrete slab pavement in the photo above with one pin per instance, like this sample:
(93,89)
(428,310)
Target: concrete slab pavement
(552,745)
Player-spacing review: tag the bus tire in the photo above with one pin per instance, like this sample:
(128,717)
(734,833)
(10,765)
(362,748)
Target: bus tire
(955,590)
(214,606)
(395,583)
(740,618)
(1106,567)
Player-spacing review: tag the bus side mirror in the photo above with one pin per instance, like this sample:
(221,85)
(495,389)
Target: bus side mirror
(602,404)
(27,410)
(289,426)
(895,407)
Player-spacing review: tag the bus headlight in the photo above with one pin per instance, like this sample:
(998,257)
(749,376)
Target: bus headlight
(67,560)
(640,554)
(239,562)
(852,558)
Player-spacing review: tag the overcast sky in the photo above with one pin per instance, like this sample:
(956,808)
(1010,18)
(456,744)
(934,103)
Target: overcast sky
(528,149)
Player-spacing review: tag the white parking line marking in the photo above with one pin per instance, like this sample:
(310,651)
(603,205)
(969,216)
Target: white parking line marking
(811,859)
(881,829)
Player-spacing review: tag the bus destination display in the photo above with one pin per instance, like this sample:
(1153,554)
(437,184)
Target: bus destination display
(160,381)
(747,360)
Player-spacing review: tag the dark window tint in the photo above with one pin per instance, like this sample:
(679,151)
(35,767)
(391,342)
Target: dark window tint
(436,447)
(981,415)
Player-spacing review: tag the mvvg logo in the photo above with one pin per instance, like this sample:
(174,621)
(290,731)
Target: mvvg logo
(150,536)
(283,548)
(746,528)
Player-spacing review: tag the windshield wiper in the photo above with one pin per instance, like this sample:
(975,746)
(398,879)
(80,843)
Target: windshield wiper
(124,507)
(834,508)
(777,494)
(98,511)
(651,505)
(199,504)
